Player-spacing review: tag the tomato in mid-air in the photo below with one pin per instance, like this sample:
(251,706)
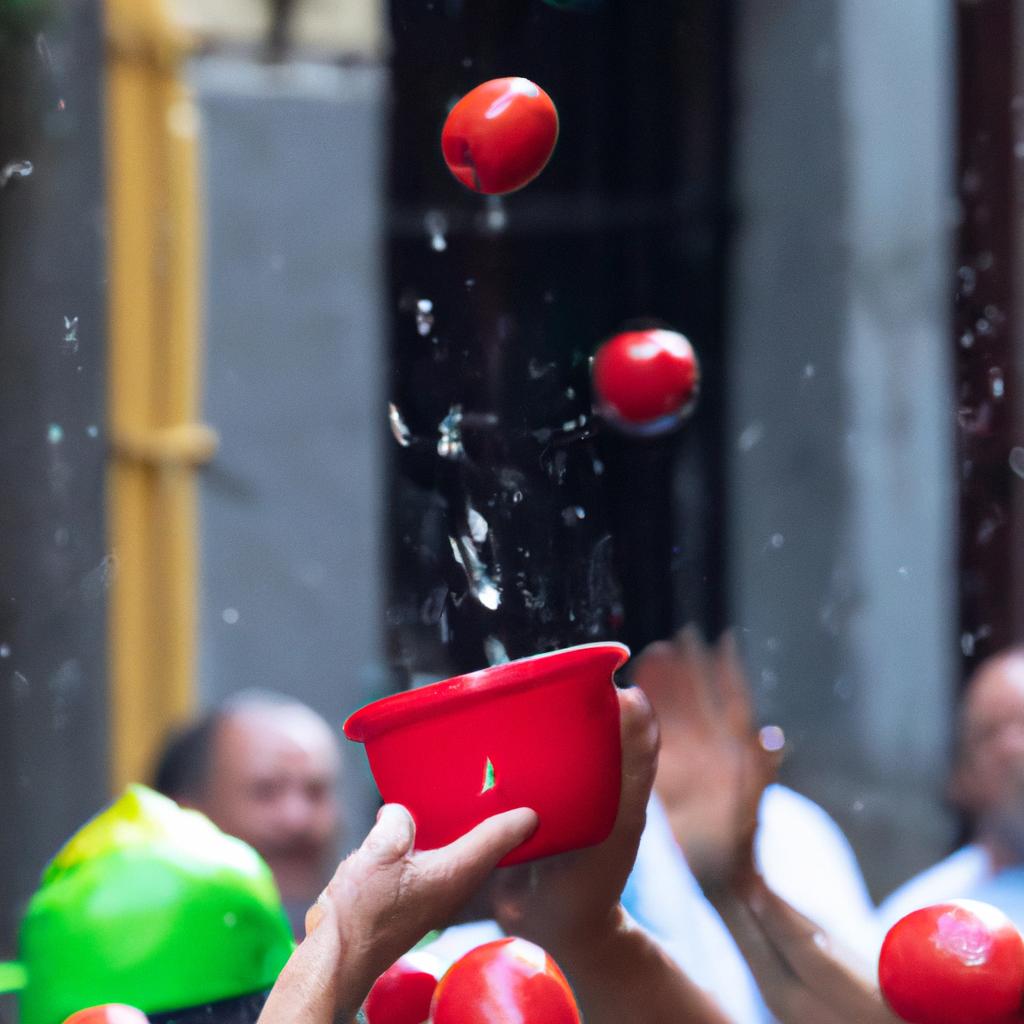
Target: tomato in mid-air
(960,962)
(506,980)
(645,381)
(108,1013)
(402,994)
(500,135)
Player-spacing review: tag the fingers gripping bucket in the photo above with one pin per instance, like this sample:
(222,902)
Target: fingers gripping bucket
(540,732)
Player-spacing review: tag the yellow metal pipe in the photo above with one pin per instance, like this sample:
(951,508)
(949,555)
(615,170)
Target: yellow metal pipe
(154,366)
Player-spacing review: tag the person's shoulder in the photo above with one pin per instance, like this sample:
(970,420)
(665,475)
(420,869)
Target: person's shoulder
(954,876)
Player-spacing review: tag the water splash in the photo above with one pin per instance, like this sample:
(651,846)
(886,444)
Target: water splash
(15,169)
(478,526)
(481,586)
(449,444)
(399,431)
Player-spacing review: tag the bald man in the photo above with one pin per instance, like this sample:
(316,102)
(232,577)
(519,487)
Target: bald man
(987,784)
(265,768)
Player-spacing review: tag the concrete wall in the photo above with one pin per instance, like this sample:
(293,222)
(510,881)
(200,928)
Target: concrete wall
(841,410)
(290,591)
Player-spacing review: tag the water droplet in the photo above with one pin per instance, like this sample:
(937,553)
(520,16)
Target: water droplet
(967,339)
(399,431)
(230,616)
(968,280)
(772,644)
(470,283)
(481,586)
(574,514)
(995,382)
(449,444)
(967,644)
(230,920)
(750,437)
(71,334)
(61,105)
(15,169)
(92,430)
(495,652)
(549,297)
(809,371)
(983,326)
(424,317)
(436,225)
(857,806)
(771,738)
(903,571)
(55,433)
(467,62)
(495,219)
(1017,461)
(769,679)
(5,650)
(517,497)
(61,536)
(777,540)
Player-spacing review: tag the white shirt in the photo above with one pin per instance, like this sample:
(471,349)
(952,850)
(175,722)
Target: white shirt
(962,875)
(803,856)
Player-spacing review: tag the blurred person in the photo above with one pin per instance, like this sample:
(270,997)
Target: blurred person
(384,896)
(265,768)
(987,785)
(696,818)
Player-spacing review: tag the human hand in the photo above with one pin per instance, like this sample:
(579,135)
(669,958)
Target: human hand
(713,765)
(382,899)
(802,977)
(569,903)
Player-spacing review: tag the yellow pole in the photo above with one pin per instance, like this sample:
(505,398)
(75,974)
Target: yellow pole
(154,373)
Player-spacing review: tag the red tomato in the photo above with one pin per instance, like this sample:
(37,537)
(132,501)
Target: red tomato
(505,980)
(646,380)
(960,962)
(402,994)
(500,135)
(108,1013)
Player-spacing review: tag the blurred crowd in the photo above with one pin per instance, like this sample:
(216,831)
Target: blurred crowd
(720,895)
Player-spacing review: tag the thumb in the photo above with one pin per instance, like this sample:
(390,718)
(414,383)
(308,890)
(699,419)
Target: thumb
(391,838)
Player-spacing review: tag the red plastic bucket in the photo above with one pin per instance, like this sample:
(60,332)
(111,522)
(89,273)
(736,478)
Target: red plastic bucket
(540,732)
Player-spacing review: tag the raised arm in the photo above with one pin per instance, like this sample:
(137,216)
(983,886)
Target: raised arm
(570,906)
(380,902)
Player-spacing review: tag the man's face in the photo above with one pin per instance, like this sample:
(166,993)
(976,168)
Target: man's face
(989,779)
(273,782)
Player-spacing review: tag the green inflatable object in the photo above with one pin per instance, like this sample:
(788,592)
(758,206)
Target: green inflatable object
(151,905)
